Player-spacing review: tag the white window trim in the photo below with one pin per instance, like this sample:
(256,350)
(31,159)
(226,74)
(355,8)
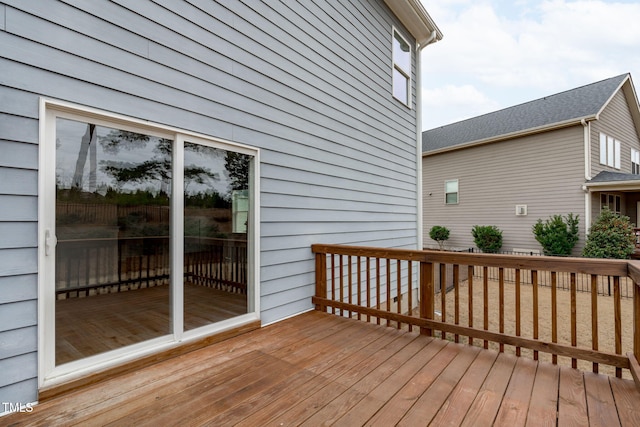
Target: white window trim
(610,151)
(635,161)
(48,373)
(405,73)
(457,192)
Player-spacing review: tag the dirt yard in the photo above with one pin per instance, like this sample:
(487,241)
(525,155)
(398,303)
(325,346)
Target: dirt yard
(583,312)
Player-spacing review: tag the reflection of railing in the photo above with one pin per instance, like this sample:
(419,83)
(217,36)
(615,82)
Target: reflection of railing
(92,266)
(216,263)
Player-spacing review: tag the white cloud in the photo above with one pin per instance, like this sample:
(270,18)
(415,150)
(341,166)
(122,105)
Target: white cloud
(512,52)
(451,103)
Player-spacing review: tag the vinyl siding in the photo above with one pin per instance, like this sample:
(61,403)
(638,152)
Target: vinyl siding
(543,171)
(615,121)
(309,83)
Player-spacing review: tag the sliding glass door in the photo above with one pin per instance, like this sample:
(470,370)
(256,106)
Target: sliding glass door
(148,238)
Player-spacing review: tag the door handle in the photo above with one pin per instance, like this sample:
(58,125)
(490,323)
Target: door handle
(50,242)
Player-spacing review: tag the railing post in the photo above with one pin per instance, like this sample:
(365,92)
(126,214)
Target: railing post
(636,320)
(321,278)
(426,295)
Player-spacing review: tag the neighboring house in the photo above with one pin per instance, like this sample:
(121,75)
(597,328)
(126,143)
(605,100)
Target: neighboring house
(142,142)
(572,152)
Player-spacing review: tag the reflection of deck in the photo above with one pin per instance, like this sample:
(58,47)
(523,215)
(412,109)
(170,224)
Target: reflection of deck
(92,325)
(319,368)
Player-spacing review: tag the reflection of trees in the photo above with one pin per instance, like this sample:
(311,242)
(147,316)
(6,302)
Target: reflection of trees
(237,165)
(158,168)
(87,143)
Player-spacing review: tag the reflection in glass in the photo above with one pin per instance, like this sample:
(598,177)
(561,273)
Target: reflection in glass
(216,214)
(112,224)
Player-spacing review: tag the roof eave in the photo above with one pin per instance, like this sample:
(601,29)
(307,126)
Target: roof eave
(416,19)
(512,135)
(614,185)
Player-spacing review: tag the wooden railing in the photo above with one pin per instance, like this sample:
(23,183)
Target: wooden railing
(399,287)
(88,266)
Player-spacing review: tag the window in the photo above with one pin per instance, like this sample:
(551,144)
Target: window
(149,237)
(401,69)
(635,162)
(609,151)
(611,201)
(451,192)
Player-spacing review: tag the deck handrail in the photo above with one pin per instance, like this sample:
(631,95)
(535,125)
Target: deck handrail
(362,281)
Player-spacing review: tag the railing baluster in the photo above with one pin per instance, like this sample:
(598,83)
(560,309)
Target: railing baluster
(456,298)
(534,289)
(359,287)
(333,281)
(368,263)
(399,286)
(485,302)
(378,288)
(349,282)
(554,314)
(574,332)
(470,302)
(594,318)
(341,282)
(443,296)
(501,302)
(517,292)
(617,319)
(388,281)
(410,293)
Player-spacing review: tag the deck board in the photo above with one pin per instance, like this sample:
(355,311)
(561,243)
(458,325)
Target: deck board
(543,408)
(515,403)
(322,369)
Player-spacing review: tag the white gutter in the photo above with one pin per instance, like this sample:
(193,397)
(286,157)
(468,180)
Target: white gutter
(419,207)
(587,175)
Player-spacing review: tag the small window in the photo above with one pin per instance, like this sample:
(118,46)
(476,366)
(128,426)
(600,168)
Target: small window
(611,201)
(451,192)
(635,162)
(609,151)
(401,73)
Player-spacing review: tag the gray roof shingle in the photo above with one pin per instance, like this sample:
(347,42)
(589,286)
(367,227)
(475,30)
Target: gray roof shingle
(562,107)
(607,176)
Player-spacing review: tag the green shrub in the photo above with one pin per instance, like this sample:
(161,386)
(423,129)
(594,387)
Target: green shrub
(439,234)
(610,236)
(488,238)
(557,235)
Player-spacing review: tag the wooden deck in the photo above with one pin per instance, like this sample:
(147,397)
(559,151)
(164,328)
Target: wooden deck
(321,369)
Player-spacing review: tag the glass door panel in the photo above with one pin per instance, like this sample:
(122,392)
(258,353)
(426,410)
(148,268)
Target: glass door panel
(216,215)
(112,261)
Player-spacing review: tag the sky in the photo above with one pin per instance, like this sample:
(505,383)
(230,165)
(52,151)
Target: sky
(500,53)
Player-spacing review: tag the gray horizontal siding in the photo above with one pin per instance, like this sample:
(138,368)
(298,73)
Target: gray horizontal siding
(18,341)
(18,288)
(19,392)
(307,82)
(544,172)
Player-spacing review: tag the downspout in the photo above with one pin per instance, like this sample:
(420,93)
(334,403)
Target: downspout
(419,221)
(587,175)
